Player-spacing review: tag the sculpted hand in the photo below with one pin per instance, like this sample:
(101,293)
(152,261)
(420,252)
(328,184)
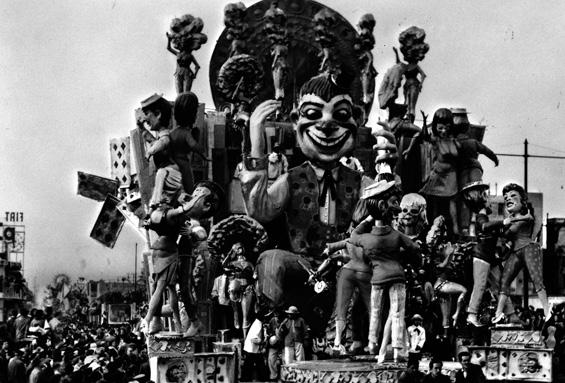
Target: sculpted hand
(256,125)
(261,113)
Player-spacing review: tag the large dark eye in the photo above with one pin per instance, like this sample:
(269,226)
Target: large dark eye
(342,114)
(311,113)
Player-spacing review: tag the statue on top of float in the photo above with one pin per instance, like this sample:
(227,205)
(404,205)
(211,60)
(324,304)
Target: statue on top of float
(186,36)
(317,197)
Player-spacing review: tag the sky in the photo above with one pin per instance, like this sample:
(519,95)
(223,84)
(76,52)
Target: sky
(73,71)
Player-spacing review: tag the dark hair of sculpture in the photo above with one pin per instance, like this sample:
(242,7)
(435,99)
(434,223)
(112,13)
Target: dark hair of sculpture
(442,116)
(185,109)
(324,86)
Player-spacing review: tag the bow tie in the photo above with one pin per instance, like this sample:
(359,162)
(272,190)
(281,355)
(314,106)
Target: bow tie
(329,183)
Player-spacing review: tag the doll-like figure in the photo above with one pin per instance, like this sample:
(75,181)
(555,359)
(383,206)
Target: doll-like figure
(240,285)
(469,168)
(237,29)
(525,252)
(412,219)
(407,135)
(157,112)
(276,31)
(486,267)
(365,42)
(441,188)
(168,221)
(382,245)
(446,258)
(182,138)
(186,36)
(355,273)
(192,249)
(413,49)
(324,26)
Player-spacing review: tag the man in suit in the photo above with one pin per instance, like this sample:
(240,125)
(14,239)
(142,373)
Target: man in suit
(470,373)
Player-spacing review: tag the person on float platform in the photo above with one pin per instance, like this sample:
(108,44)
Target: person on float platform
(318,196)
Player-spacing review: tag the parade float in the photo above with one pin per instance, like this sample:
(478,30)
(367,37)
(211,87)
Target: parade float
(296,78)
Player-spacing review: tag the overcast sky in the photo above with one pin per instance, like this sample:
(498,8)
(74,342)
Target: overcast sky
(73,71)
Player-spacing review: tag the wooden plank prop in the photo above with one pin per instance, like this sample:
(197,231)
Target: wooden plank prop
(109,223)
(96,187)
(120,161)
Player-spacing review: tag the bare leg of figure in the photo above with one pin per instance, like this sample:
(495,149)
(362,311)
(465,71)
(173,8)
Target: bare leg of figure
(452,288)
(246,305)
(155,301)
(173,297)
(445,306)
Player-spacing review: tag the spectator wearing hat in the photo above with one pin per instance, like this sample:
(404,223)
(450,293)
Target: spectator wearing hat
(274,344)
(293,329)
(416,334)
(469,373)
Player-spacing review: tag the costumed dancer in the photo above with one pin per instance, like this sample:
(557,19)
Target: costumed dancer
(519,226)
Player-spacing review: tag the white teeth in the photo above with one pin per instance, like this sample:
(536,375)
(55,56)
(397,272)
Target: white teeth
(325,142)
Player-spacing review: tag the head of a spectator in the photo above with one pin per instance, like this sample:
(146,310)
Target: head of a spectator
(131,349)
(465,359)
(417,320)
(435,367)
(412,365)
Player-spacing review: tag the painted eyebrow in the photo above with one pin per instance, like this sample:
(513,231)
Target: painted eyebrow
(311,103)
(343,103)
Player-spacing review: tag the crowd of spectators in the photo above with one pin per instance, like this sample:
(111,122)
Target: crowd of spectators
(44,347)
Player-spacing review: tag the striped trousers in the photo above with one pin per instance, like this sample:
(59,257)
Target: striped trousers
(395,319)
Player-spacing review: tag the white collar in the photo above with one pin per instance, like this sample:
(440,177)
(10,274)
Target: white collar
(320,171)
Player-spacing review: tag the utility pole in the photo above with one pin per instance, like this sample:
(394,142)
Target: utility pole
(526,156)
(135,270)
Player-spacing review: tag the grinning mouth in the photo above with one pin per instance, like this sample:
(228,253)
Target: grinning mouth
(328,142)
